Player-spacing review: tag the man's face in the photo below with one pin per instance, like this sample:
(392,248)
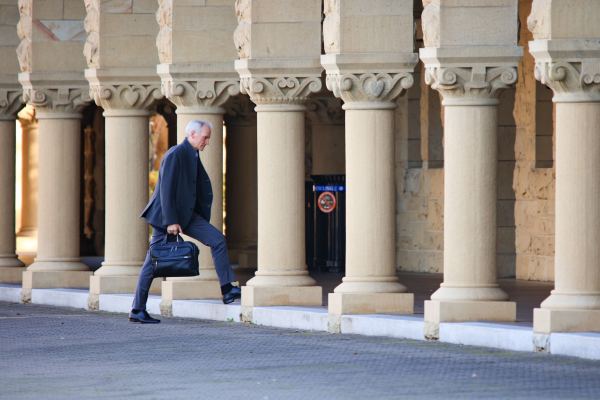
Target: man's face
(199,140)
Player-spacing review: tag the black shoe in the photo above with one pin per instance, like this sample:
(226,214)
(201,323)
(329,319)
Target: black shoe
(232,295)
(142,317)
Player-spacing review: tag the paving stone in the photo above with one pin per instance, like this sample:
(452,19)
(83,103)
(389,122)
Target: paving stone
(55,353)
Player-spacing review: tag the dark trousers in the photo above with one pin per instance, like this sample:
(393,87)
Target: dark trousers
(200,230)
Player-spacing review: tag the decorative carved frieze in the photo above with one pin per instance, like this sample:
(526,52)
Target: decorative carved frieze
(164,39)
(368,86)
(68,99)
(119,96)
(10,102)
(279,90)
(473,84)
(203,92)
(570,80)
(92,27)
(24,31)
(241,35)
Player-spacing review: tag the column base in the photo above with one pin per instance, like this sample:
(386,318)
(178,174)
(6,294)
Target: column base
(11,261)
(371,303)
(11,274)
(548,320)
(187,290)
(66,264)
(264,296)
(52,279)
(437,311)
(366,303)
(106,284)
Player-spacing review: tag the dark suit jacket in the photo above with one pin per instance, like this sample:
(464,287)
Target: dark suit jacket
(183,188)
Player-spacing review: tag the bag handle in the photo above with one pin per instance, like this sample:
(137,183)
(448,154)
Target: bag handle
(178,237)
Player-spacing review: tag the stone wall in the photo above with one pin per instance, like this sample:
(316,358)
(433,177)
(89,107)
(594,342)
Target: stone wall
(419,189)
(534,187)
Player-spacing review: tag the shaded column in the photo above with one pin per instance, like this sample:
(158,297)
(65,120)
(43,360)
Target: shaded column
(198,82)
(469,79)
(278,80)
(121,71)
(206,285)
(566,56)
(241,198)
(57,263)
(29,165)
(11,268)
(58,92)
(126,187)
(282,277)
(369,77)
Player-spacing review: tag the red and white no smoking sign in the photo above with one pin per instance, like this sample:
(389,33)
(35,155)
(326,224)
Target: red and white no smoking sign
(326,202)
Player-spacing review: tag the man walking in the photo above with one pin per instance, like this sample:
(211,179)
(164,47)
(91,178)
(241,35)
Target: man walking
(181,203)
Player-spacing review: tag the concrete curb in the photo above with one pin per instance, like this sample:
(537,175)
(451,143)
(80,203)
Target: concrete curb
(206,309)
(514,337)
(501,336)
(397,326)
(305,318)
(10,293)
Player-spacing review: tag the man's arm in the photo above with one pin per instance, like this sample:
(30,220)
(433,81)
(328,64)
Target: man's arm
(168,190)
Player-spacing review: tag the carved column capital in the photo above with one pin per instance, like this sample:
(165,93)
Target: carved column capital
(54,96)
(204,93)
(470,85)
(369,90)
(57,99)
(125,96)
(369,81)
(571,68)
(11,100)
(286,90)
(198,92)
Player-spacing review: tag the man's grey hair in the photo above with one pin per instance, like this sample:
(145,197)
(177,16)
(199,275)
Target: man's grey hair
(196,126)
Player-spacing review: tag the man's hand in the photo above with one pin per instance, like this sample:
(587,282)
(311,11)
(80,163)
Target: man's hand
(174,229)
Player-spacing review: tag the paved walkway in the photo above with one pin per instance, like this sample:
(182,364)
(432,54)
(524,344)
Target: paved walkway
(57,353)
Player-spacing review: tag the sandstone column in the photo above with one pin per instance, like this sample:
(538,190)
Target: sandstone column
(122,77)
(11,268)
(28,231)
(58,92)
(198,77)
(566,55)
(368,75)
(469,63)
(57,262)
(279,67)
(241,198)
